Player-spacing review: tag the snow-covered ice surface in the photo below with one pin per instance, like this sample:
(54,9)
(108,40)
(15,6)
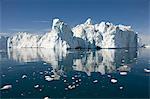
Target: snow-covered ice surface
(86,35)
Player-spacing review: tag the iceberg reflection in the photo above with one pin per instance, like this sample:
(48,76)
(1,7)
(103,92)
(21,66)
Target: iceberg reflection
(102,61)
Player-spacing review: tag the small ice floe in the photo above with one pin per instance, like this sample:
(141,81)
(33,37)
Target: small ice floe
(79,79)
(147,70)
(36,86)
(76,76)
(44,63)
(22,94)
(17,81)
(3,75)
(49,69)
(9,67)
(65,81)
(6,87)
(52,76)
(73,82)
(40,89)
(46,72)
(109,76)
(126,50)
(72,78)
(113,80)
(41,73)
(24,76)
(48,78)
(120,87)
(95,81)
(66,88)
(123,73)
(122,60)
(71,87)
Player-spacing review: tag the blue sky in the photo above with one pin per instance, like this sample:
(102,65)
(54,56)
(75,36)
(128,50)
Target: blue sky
(36,15)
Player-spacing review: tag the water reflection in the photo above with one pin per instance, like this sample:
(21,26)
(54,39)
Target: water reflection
(102,61)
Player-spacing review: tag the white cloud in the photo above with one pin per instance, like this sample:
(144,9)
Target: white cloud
(19,29)
(145,38)
(43,21)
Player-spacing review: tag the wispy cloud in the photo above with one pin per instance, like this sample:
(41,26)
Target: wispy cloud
(42,21)
(18,29)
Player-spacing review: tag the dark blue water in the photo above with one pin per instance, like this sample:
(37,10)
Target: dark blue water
(75,73)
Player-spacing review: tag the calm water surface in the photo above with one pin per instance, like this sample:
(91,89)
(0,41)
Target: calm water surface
(75,73)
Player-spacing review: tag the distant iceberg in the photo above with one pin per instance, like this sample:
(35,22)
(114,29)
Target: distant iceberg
(86,35)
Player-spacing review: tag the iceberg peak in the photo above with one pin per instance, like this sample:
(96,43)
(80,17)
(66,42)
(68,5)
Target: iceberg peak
(88,21)
(56,23)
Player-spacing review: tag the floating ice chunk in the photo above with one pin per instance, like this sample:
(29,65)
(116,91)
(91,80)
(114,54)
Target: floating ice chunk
(48,78)
(46,97)
(22,94)
(147,70)
(3,75)
(120,87)
(73,86)
(123,60)
(72,78)
(113,80)
(66,88)
(17,81)
(40,89)
(95,81)
(73,82)
(5,87)
(109,76)
(44,63)
(77,81)
(52,76)
(9,67)
(65,80)
(123,73)
(36,86)
(70,87)
(41,73)
(24,76)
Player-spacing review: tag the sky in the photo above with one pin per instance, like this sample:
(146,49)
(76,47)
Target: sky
(35,16)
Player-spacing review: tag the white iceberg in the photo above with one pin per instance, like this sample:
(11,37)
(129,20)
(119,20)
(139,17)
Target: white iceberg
(5,87)
(113,80)
(87,35)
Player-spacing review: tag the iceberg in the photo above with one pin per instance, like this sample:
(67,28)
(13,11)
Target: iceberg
(86,35)
(106,35)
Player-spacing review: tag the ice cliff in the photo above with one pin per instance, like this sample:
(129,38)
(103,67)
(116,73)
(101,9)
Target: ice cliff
(86,35)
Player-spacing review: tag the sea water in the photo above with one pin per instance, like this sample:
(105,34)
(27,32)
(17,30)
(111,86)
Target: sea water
(105,73)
